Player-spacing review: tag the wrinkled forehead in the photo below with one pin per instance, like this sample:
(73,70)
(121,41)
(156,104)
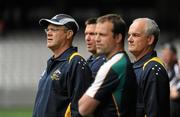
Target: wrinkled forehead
(138,27)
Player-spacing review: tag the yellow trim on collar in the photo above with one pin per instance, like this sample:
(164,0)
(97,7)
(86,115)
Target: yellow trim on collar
(72,56)
(157,59)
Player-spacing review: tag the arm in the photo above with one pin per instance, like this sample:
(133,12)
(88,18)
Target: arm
(87,105)
(156,91)
(105,82)
(80,80)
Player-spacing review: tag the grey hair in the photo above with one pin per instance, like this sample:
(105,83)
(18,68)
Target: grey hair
(151,28)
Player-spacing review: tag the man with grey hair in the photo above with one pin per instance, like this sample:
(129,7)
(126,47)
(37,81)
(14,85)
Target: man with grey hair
(153,82)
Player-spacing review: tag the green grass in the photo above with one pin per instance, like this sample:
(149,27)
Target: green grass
(16,112)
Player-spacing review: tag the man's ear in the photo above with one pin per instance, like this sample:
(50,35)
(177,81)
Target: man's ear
(69,34)
(151,39)
(118,38)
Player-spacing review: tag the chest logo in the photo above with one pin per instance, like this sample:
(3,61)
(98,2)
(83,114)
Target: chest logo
(56,75)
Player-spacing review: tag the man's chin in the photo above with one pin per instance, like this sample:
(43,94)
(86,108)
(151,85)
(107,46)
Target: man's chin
(49,46)
(99,52)
(131,51)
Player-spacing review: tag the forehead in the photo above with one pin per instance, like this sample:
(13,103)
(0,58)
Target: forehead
(55,26)
(90,26)
(137,26)
(104,26)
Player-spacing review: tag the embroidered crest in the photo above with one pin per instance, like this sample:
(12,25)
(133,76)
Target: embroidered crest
(56,75)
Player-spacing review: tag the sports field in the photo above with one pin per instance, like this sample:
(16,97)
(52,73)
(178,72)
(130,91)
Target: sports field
(16,112)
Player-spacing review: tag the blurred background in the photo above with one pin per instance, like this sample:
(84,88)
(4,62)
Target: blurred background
(23,52)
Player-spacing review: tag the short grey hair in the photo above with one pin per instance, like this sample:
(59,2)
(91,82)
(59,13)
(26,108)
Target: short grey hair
(151,28)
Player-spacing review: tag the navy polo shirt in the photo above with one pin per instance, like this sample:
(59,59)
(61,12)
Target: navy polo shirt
(64,81)
(95,63)
(153,87)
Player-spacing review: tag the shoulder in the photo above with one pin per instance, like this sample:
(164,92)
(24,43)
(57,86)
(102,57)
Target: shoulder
(77,60)
(155,68)
(154,62)
(120,61)
(116,63)
(101,58)
(76,57)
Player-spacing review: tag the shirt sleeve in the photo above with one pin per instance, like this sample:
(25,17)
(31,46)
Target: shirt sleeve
(156,91)
(105,82)
(80,80)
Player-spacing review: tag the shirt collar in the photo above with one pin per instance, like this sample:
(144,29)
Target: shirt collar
(122,52)
(96,57)
(145,58)
(65,55)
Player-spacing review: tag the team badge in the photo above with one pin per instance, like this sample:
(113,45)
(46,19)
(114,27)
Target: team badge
(56,75)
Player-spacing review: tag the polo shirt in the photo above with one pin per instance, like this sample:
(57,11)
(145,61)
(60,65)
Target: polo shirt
(115,88)
(153,87)
(62,84)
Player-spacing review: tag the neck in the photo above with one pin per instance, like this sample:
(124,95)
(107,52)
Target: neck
(94,53)
(58,52)
(141,54)
(112,53)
